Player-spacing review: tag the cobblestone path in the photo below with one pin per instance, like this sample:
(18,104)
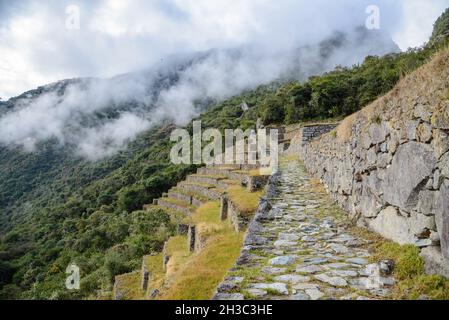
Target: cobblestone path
(302,249)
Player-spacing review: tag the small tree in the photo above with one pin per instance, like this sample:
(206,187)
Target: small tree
(273,110)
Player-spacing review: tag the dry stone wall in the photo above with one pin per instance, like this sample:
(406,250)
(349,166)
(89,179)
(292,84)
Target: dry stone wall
(388,165)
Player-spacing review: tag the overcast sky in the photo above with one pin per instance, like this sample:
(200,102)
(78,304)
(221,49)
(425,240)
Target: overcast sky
(117,36)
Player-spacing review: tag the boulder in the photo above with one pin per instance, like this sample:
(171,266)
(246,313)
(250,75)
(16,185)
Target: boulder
(434,261)
(413,163)
(391,225)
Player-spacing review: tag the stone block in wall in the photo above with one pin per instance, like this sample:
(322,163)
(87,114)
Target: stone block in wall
(165,256)
(442,218)
(427,201)
(421,225)
(443,165)
(191,238)
(440,118)
(393,142)
(183,229)
(413,163)
(384,159)
(391,225)
(423,112)
(145,276)
(365,140)
(116,292)
(257,182)
(434,261)
(437,179)
(369,206)
(200,240)
(238,221)
(424,132)
(411,128)
(224,208)
(165,261)
(371,159)
(440,142)
(378,132)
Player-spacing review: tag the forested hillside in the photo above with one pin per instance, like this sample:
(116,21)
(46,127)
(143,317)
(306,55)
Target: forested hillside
(56,208)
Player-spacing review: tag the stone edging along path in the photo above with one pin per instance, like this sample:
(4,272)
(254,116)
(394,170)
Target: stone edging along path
(300,247)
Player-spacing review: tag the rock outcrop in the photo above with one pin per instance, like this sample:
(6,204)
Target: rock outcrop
(388,165)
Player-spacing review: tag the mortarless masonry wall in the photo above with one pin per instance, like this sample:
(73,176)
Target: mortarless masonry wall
(388,165)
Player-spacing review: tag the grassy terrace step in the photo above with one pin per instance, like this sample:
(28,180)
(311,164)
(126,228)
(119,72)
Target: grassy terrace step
(246,202)
(205,190)
(207,171)
(188,193)
(225,184)
(175,215)
(206,179)
(179,195)
(235,174)
(157,275)
(177,205)
(196,275)
(127,286)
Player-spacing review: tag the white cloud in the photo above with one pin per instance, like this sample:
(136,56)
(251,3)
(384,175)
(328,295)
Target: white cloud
(119,36)
(417,21)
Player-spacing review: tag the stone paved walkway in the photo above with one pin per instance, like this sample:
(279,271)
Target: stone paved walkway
(302,249)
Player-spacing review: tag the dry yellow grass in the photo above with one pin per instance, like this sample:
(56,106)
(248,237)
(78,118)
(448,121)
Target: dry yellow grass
(179,254)
(246,202)
(195,276)
(154,264)
(129,286)
(209,212)
(344,130)
(202,274)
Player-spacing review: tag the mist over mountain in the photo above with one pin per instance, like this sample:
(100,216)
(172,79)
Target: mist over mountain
(98,117)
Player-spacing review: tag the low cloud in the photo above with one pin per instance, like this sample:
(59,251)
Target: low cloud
(240,47)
